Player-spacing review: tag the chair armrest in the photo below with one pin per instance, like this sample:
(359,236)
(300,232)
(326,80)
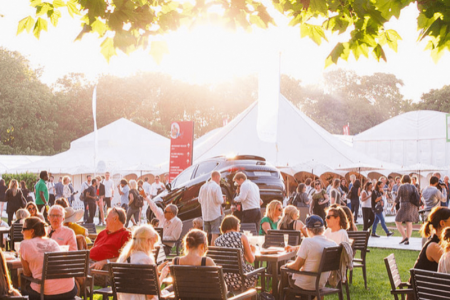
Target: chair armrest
(100,272)
(31,279)
(402,291)
(256,271)
(287,270)
(404,284)
(92,236)
(244,295)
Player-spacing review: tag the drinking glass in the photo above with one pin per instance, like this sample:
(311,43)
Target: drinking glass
(286,239)
(17,248)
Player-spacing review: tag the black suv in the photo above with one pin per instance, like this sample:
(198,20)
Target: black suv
(184,189)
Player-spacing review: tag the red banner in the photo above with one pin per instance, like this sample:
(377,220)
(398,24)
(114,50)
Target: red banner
(181,146)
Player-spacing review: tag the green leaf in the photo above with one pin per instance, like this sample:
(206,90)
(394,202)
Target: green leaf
(340,51)
(40,25)
(125,41)
(296,20)
(318,6)
(42,9)
(35,3)
(72,8)
(158,49)
(389,8)
(391,38)
(336,23)
(107,48)
(58,3)
(54,17)
(255,19)
(169,7)
(315,32)
(378,52)
(99,27)
(26,23)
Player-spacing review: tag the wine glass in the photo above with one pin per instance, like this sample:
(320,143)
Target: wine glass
(286,239)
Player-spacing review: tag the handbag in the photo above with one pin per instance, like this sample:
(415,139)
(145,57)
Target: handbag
(415,199)
(378,207)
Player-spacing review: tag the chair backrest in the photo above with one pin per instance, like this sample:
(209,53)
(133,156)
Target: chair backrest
(191,282)
(249,227)
(90,227)
(277,240)
(160,232)
(14,297)
(228,258)
(134,279)
(361,240)
(16,232)
(156,253)
(69,264)
(296,233)
(430,285)
(331,259)
(392,270)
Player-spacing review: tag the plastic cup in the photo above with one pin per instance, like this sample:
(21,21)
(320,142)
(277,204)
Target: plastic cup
(64,248)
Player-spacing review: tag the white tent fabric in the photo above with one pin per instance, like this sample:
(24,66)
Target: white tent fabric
(9,162)
(122,146)
(299,139)
(407,139)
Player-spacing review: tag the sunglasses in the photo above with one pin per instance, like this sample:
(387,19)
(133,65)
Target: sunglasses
(167,211)
(31,208)
(330,216)
(317,184)
(25,228)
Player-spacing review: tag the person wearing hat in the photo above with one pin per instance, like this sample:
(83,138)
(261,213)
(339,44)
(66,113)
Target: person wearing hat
(309,255)
(70,220)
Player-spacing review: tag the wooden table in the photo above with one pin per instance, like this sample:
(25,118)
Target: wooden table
(4,230)
(13,266)
(274,259)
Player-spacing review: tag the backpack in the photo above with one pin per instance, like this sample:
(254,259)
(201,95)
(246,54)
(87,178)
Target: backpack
(138,199)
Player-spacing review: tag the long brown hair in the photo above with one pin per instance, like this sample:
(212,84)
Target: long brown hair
(437,215)
(339,212)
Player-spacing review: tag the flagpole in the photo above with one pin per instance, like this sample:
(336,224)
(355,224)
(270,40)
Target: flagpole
(94,112)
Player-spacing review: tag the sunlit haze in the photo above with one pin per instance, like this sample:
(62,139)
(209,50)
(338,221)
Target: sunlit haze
(212,54)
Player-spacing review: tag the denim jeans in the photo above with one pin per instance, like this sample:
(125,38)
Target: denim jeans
(379,218)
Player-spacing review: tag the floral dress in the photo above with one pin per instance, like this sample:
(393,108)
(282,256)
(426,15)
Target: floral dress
(233,240)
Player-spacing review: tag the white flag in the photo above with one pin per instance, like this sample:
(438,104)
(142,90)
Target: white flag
(268,95)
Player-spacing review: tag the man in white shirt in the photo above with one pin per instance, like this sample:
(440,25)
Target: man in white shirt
(146,186)
(170,223)
(51,190)
(310,254)
(250,199)
(108,182)
(157,187)
(211,200)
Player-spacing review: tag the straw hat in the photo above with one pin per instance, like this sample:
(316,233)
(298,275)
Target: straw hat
(72,216)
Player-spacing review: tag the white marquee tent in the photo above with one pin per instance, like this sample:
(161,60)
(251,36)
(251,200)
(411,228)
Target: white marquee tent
(299,139)
(8,162)
(123,146)
(410,138)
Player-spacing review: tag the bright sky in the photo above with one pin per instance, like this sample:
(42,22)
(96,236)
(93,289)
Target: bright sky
(210,54)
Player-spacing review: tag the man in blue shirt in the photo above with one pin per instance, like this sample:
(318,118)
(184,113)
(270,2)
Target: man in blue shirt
(124,190)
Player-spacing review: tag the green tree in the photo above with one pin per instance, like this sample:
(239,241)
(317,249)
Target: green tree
(435,100)
(27,107)
(126,25)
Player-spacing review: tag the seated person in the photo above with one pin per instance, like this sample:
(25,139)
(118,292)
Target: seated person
(197,223)
(290,220)
(337,225)
(170,222)
(310,254)
(138,250)
(6,288)
(21,215)
(63,235)
(109,242)
(232,238)
(71,217)
(273,213)
(32,250)
(350,218)
(195,245)
(32,209)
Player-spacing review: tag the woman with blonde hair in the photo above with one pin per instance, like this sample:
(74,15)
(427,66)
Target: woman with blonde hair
(14,199)
(273,213)
(21,215)
(139,250)
(290,220)
(444,262)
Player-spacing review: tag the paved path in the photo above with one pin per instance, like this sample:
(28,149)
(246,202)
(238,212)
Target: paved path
(392,242)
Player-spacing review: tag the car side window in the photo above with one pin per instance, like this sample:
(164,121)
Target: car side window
(205,168)
(184,177)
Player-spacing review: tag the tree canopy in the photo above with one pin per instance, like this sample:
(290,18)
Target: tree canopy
(127,25)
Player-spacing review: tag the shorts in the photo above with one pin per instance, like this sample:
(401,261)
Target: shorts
(107,201)
(213,226)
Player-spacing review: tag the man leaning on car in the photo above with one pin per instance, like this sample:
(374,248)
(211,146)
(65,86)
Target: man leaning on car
(250,199)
